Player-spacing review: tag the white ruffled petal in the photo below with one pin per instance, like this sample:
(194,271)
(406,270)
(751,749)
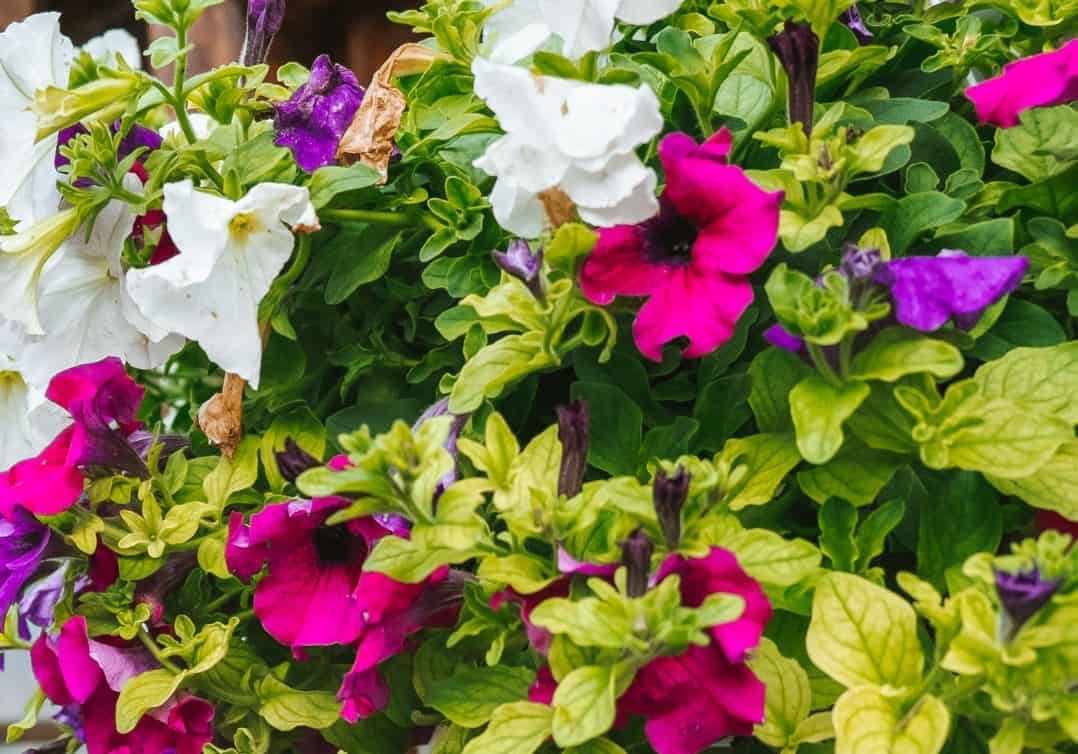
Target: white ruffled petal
(521,101)
(601,120)
(583,25)
(619,178)
(638,206)
(517,209)
(515,32)
(107,46)
(198,223)
(27,422)
(643,12)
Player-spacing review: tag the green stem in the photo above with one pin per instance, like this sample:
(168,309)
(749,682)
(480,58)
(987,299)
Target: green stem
(822,364)
(220,602)
(245,615)
(179,101)
(373,217)
(151,645)
(845,355)
(303,255)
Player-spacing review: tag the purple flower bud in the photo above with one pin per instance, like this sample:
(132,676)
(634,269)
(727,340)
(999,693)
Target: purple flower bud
(521,263)
(441,408)
(294,460)
(1022,595)
(856,24)
(669,494)
(778,336)
(636,554)
(858,263)
(264,20)
(142,442)
(798,49)
(573,424)
(313,121)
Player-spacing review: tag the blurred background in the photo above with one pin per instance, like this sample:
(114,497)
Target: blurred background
(353,32)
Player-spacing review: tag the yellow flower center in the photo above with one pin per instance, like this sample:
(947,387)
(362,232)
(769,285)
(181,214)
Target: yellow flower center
(243,225)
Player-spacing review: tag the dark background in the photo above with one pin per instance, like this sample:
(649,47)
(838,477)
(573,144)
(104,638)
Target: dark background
(353,32)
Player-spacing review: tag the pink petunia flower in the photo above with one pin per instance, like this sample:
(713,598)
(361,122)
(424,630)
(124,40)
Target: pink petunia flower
(103,401)
(74,669)
(306,598)
(1050,78)
(714,227)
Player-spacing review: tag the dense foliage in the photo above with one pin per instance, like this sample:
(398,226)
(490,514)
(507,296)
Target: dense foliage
(607,376)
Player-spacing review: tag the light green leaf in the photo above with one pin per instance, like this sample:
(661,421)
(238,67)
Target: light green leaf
(143,693)
(286,708)
(1042,146)
(584,705)
(588,622)
(495,366)
(411,560)
(771,559)
(898,351)
(518,728)
(871,150)
(799,231)
(211,555)
(767,459)
(788,698)
(857,473)
(470,697)
(1053,487)
(867,722)
(526,574)
(819,409)
(17,730)
(1046,379)
(862,634)
(233,475)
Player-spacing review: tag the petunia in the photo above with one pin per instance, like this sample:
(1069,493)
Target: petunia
(523,264)
(27,420)
(691,260)
(1021,595)
(74,669)
(393,611)
(582,26)
(102,401)
(264,20)
(23,545)
(1050,78)
(105,48)
(23,257)
(668,496)
(798,49)
(306,598)
(230,253)
(573,137)
(86,311)
(313,121)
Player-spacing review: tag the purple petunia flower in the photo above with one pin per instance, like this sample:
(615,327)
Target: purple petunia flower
(138,137)
(798,49)
(264,20)
(852,18)
(525,266)
(23,544)
(1022,594)
(313,121)
(441,408)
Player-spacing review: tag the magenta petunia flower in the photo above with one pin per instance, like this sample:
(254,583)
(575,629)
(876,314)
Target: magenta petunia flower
(714,227)
(313,121)
(307,597)
(74,669)
(103,401)
(1050,78)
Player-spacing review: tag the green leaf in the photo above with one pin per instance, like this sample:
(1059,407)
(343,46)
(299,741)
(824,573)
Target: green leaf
(518,728)
(771,559)
(898,351)
(327,182)
(232,476)
(524,573)
(1043,144)
(959,517)
(965,141)
(874,530)
(868,722)
(303,427)
(900,110)
(914,214)
(774,373)
(819,409)
(1045,379)
(991,238)
(469,698)
(767,459)
(838,523)
(862,634)
(569,246)
(788,698)
(411,560)
(616,449)
(882,423)
(495,366)
(286,708)
(856,474)
(584,705)
(368,261)
(1053,487)
(1022,323)
(143,693)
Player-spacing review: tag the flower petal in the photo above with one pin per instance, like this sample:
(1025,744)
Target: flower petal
(643,12)
(619,266)
(1050,78)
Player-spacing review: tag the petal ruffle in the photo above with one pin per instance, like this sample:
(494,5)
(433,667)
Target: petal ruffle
(1050,78)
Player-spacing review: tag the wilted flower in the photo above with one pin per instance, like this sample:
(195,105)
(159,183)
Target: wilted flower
(313,121)
(669,493)
(576,137)
(692,260)
(574,423)
(1022,594)
(264,20)
(798,49)
(1050,78)
(527,267)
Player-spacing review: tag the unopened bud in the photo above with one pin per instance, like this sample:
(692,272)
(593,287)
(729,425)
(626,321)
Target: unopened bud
(669,494)
(573,424)
(636,554)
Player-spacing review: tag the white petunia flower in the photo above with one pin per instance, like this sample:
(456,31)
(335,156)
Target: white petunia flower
(23,258)
(573,136)
(230,253)
(583,26)
(201,124)
(33,55)
(107,46)
(28,422)
(86,311)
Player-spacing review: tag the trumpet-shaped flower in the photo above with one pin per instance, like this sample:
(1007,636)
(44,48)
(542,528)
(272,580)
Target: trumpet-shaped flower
(102,401)
(22,261)
(23,543)
(1050,78)
(692,260)
(86,311)
(571,136)
(230,253)
(27,421)
(582,26)
(33,55)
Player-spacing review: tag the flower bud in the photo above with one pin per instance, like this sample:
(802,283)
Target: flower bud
(856,24)
(525,266)
(860,264)
(264,20)
(669,494)
(573,423)
(1022,595)
(798,49)
(104,99)
(294,460)
(636,554)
